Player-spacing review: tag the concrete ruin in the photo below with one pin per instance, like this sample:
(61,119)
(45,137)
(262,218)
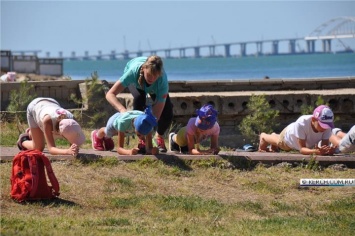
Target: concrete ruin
(230,98)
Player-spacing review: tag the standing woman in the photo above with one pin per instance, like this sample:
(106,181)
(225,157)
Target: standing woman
(47,121)
(143,76)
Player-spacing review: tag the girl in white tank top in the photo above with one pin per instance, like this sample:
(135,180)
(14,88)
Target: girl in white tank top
(47,120)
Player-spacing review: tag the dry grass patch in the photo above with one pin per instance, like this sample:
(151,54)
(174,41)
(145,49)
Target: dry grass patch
(148,197)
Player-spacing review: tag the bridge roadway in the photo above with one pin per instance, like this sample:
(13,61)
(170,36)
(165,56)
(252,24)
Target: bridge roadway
(237,156)
(180,52)
(197,48)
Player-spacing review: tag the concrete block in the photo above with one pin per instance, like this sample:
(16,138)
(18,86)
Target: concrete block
(233,105)
(51,66)
(6,60)
(25,64)
(187,103)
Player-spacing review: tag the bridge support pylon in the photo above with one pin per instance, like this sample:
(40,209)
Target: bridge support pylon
(327,45)
(197,52)
(227,50)
(167,53)
(259,48)
(182,53)
(275,47)
(243,49)
(311,46)
(292,46)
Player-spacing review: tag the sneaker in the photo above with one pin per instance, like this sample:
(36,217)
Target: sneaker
(21,139)
(160,144)
(97,143)
(171,142)
(109,144)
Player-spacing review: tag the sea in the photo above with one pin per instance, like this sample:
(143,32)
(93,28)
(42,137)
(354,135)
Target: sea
(303,66)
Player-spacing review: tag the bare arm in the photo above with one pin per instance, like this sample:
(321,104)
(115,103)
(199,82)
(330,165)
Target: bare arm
(149,145)
(191,145)
(48,135)
(214,145)
(120,148)
(214,148)
(335,140)
(194,148)
(323,150)
(158,109)
(112,99)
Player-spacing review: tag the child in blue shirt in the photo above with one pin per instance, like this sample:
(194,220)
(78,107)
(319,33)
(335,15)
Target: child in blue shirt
(122,124)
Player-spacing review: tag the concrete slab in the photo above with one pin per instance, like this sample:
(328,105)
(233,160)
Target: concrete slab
(7,154)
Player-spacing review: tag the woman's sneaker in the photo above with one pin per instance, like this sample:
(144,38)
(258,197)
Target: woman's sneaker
(171,148)
(160,144)
(21,139)
(97,143)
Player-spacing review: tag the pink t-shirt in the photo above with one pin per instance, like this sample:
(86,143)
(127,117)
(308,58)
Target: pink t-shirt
(191,129)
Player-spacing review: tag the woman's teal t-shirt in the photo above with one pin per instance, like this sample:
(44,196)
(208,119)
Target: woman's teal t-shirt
(130,77)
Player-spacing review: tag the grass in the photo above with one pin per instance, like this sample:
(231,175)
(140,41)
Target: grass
(150,197)
(153,199)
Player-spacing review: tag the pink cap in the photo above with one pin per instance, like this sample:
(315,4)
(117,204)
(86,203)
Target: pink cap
(325,116)
(71,131)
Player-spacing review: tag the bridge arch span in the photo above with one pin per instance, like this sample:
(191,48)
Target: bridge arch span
(340,26)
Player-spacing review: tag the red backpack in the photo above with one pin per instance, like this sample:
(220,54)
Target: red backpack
(28,177)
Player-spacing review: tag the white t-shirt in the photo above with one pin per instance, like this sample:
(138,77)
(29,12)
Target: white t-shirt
(302,129)
(40,107)
(347,143)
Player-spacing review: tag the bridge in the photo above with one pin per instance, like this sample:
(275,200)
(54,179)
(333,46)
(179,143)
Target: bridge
(196,50)
(335,29)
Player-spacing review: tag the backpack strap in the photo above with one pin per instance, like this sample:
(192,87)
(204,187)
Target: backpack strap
(51,175)
(32,161)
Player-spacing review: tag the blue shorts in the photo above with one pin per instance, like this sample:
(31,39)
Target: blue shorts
(110,131)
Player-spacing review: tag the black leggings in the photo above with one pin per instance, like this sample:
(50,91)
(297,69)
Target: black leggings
(139,103)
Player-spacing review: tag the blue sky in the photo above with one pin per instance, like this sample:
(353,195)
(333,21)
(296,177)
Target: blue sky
(53,26)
